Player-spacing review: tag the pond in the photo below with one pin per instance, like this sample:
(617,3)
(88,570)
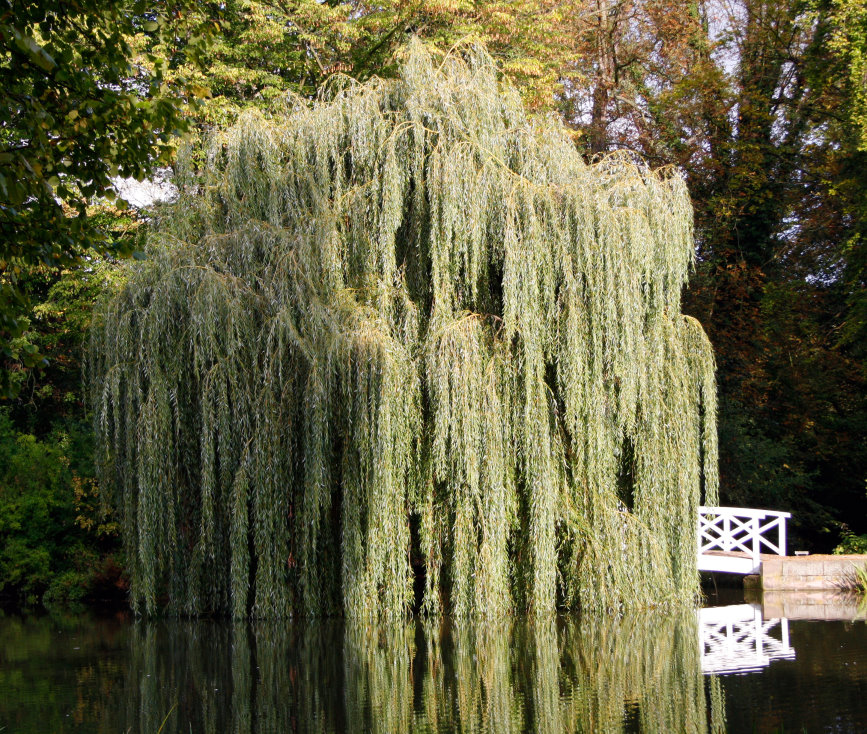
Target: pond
(728,667)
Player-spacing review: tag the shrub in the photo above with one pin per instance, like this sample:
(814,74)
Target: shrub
(850,543)
(52,532)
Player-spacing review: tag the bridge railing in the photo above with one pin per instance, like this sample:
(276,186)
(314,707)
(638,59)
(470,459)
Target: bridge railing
(740,529)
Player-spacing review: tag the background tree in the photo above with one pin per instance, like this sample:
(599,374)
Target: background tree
(268,49)
(775,222)
(76,113)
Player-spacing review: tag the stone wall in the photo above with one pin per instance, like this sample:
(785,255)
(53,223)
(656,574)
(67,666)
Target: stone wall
(781,573)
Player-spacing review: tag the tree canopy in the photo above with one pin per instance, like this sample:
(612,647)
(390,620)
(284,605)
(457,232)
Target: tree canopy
(76,113)
(409,321)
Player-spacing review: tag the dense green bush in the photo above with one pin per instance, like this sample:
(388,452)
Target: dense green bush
(851,543)
(55,544)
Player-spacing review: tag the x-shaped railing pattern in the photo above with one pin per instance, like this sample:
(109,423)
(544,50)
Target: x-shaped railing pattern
(741,529)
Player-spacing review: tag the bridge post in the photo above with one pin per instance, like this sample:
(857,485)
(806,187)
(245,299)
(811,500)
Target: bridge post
(782,536)
(755,523)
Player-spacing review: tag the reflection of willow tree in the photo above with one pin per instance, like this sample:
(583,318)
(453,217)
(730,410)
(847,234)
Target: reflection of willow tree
(575,677)
(409,306)
(233,678)
(551,676)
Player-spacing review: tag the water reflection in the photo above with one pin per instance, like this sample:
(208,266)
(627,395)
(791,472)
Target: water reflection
(558,676)
(648,672)
(637,673)
(737,639)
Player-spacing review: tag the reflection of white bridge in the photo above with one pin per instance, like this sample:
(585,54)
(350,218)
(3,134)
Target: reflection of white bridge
(732,539)
(735,639)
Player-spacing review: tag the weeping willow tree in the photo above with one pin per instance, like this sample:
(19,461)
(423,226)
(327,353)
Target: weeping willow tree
(406,332)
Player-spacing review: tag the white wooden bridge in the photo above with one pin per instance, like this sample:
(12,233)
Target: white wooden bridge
(733,539)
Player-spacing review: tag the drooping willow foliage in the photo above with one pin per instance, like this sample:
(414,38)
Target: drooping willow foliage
(407,333)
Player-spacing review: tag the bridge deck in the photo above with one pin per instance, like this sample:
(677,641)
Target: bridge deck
(732,561)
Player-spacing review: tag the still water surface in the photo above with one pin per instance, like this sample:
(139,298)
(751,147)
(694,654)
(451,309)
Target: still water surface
(730,668)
